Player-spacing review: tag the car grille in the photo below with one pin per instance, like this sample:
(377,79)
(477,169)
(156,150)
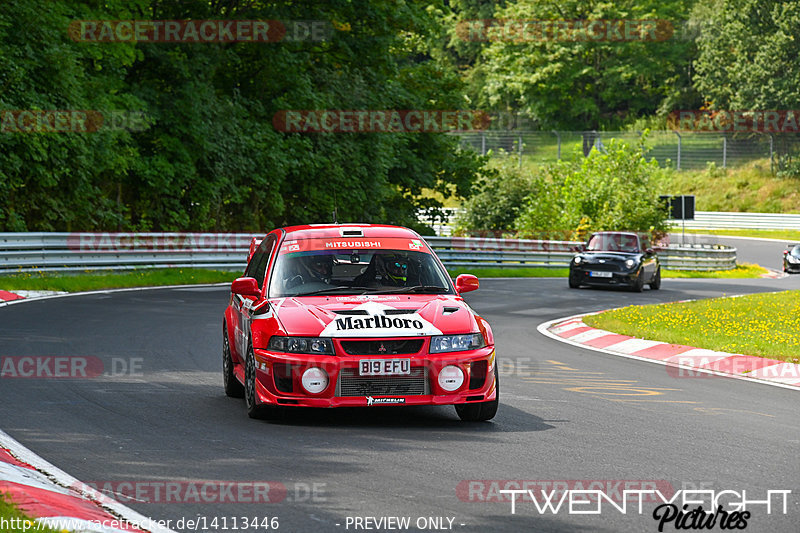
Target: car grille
(414,384)
(603,267)
(382,347)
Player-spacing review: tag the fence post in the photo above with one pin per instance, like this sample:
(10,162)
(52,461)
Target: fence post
(483,143)
(724,151)
(679,148)
(519,149)
(771,139)
(559,144)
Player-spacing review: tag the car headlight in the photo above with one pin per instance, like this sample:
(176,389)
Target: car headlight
(792,259)
(630,263)
(311,345)
(577,260)
(456,343)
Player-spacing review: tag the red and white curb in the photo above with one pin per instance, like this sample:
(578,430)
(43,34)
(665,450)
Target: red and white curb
(7,296)
(680,360)
(56,499)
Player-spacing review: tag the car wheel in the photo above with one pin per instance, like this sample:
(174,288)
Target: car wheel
(483,411)
(655,284)
(574,280)
(263,412)
(638,285)
(233,388)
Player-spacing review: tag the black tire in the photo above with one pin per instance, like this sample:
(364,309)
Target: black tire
(574,280)
(638,285)
(261,412)
(655,283)
(483,411)
(233,388)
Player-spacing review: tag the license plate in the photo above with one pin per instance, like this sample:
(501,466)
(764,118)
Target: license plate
(384,367)
(600,274)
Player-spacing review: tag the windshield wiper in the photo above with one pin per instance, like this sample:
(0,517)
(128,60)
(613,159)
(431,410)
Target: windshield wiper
(334,289)
(433,289)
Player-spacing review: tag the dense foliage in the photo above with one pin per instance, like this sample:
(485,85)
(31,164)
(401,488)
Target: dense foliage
(612,190)
(616,189)
(209,157)
(200,150)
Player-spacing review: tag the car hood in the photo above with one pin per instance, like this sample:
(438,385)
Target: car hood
(596,257)
(375,316)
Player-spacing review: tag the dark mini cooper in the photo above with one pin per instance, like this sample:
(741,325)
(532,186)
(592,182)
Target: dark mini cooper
(615,259)
(791,258)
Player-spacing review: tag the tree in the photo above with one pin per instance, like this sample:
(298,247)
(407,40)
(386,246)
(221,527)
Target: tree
(567,82)
(210,157)
(748,54)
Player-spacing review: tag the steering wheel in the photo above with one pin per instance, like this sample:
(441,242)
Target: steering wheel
(294,281)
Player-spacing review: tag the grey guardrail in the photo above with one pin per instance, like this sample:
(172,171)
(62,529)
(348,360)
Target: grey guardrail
(55,252)
(722,220)
(517,253)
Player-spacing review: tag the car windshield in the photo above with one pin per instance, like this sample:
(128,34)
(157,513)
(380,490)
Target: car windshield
(309,272)
(613,242)
(796,251)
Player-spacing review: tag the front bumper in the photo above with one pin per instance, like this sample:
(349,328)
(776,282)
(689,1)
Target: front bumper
(279,379)
(791,267)
(584,277)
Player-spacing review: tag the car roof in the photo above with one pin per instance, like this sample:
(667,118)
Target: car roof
(615,233)
(337,231)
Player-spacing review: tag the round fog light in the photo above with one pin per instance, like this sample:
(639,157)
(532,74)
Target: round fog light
(451,378)
(315,380)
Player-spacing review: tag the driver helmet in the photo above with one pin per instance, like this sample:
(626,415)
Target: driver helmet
(319,266)
(396,268)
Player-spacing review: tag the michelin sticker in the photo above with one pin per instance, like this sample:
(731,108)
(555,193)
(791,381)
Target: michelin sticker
(377,324)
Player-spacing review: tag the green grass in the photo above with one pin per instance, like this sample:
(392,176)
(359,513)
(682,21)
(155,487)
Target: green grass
(764,325)
(92,280)
(792,236)
(741,271)
(9,512)
(746,188)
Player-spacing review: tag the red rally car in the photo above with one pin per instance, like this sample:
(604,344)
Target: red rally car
(355,315)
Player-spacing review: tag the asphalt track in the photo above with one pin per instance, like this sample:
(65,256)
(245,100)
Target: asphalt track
(566,414)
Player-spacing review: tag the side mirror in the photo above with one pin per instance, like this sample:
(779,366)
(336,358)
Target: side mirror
(467,283)
(245,287)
